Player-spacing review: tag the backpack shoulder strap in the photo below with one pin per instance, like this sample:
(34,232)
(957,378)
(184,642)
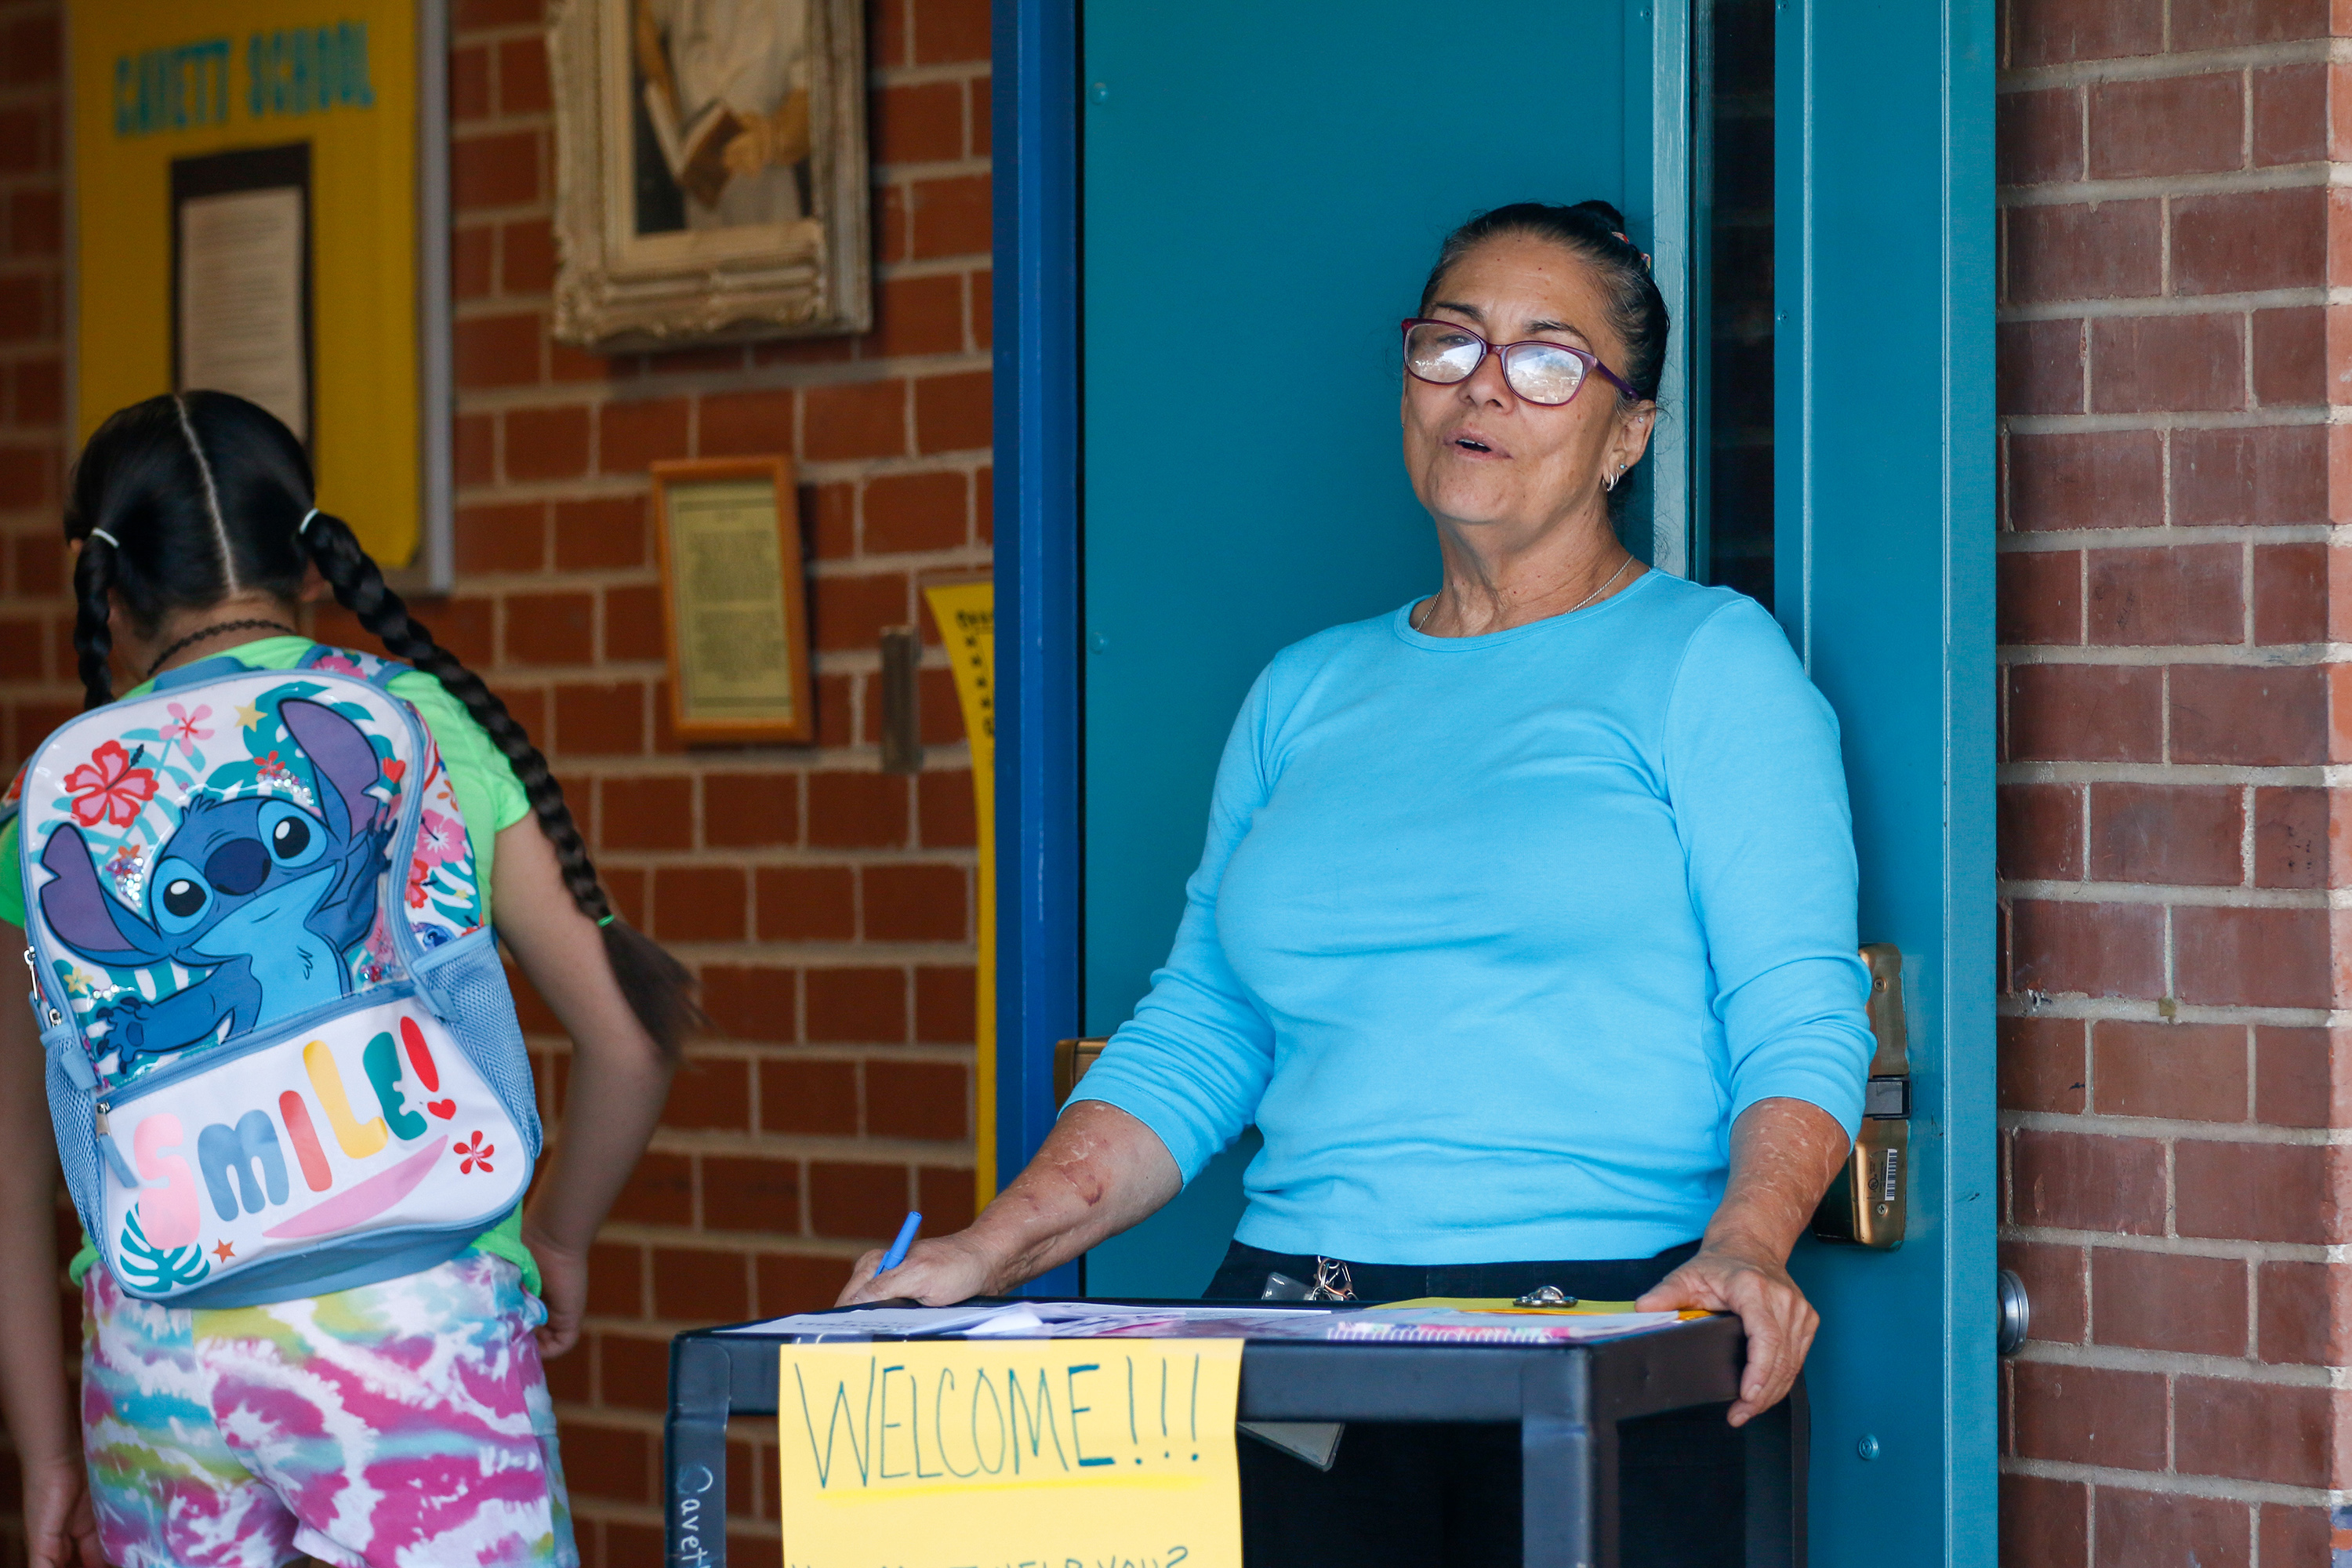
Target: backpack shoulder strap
(213,668)
(374,669)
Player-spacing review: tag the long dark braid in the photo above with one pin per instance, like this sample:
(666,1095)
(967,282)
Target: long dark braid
(142,506)
(206,494)
(93,637)
(659,989)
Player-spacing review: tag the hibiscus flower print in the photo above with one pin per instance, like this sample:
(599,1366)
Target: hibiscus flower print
(473,1151)
(340,663)
(272,771)
(184,727)
(110,788)
(439,839)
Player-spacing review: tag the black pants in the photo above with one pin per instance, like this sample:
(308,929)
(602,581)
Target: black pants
(1446,1495)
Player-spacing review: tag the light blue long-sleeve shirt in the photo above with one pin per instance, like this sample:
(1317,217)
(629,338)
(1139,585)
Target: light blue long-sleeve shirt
(1494,937)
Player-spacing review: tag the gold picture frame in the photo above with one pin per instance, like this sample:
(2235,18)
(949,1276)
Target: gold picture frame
(735,624)
(712,172)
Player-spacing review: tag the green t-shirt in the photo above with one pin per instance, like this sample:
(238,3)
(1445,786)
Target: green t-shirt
(487,792)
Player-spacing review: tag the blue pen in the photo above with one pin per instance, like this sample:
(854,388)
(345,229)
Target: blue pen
(897,1253)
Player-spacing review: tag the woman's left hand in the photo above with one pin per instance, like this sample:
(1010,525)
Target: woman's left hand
(1783,1154)
(1728,1278)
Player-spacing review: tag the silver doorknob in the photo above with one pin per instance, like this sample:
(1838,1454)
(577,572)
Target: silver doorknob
(2016,1314)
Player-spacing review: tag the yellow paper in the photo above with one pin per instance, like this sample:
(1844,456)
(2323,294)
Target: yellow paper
(993,1454)
(966,614)
(1504,1304)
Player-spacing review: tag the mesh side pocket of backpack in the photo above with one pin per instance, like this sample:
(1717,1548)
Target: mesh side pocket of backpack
(71,1113)
(467,985)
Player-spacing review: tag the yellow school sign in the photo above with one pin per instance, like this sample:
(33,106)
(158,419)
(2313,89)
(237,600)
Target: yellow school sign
(246,204)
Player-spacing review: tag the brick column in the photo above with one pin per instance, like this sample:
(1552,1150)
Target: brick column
(2168,380)
(38,689)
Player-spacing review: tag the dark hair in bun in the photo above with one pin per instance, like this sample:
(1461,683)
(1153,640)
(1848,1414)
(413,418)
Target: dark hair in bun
(1595,231)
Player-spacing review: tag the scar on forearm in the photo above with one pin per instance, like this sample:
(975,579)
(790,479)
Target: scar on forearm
(1079,1166)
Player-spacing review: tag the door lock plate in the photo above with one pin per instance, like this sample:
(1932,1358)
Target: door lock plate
(1866,1203)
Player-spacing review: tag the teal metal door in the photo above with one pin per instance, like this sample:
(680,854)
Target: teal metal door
(1263,187)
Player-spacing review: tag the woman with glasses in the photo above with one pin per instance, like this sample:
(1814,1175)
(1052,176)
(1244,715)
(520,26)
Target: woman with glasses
(1525,933)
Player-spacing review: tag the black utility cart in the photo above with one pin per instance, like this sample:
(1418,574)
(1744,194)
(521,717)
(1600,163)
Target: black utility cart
(1567,1399)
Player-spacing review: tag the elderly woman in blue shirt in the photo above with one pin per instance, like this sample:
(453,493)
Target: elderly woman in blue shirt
(1525,933)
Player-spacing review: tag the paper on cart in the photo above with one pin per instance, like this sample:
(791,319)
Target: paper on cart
(1039,1320)
(867,1320)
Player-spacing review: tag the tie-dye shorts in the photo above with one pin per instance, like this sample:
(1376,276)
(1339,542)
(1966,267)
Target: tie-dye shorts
(402,1424)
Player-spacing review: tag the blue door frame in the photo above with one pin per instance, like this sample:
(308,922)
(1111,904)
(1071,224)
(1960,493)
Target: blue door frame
(1883,535)
(1038,828)
(1885,499)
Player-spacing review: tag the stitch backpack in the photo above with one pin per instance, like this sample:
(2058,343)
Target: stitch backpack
(282,1055)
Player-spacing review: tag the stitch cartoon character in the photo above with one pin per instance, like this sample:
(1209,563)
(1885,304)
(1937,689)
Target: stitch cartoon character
(265,896)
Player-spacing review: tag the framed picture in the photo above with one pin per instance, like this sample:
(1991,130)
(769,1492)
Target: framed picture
(734,608)
(711,170)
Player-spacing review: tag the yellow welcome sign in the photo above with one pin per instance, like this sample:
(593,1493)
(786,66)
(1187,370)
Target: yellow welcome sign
(986,1454)
(246,218)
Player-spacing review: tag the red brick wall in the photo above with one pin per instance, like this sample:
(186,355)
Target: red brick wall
(2169,364)
(827,907)
(36,683)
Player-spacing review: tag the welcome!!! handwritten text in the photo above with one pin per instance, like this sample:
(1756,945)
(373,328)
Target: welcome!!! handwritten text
(973,1453)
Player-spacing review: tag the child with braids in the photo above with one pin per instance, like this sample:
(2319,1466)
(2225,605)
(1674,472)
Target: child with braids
(405,1421)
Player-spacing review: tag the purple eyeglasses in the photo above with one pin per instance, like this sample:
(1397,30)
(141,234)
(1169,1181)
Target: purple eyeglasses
(1445,353)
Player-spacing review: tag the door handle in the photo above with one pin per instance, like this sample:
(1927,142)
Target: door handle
(1866,1203)
(2016,1319)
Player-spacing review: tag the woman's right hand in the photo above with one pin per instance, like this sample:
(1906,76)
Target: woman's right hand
(937,1273)
(60,1528)
(1099,1172)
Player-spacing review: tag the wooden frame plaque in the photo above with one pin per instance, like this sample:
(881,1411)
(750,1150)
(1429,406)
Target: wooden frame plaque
(734,608)
(711,174)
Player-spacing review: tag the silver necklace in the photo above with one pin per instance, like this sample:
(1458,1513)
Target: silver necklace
(1416,625)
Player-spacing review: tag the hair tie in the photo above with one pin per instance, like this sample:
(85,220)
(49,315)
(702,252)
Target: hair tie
(608,919)
(305,522)
(101,533)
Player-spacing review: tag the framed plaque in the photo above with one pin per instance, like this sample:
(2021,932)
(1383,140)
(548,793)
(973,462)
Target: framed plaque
(734,609)
(241,297)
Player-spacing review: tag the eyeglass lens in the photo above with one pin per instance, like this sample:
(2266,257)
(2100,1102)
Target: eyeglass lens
(1539,373)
